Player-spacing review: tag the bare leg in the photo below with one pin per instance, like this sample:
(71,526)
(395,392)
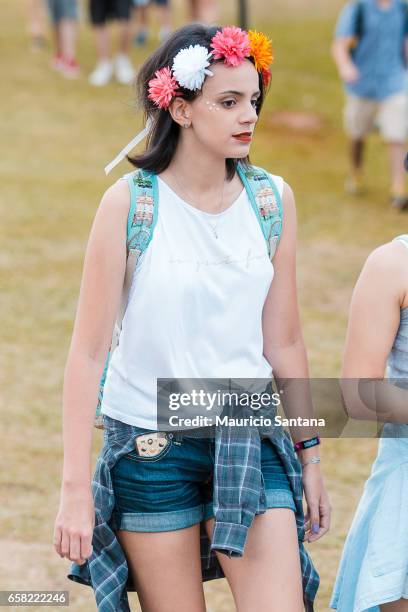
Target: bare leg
(143,16)
(166,568)
(56,32)
(142,23)
(354,183)
(125,34)
(396,606)
(102,42)
(356,157)
(193,9)
(36,19)
(208,11)
(164,17)
(396,152)
(268,576)
(68,29)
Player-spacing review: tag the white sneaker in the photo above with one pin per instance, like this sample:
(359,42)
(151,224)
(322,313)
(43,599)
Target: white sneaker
(123,69)
(102,74)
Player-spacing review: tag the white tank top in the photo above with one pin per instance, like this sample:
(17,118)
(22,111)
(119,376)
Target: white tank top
(195,305)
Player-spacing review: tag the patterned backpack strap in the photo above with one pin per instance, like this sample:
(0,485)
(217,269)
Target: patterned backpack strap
(141,222)
(266,202)
(403,238)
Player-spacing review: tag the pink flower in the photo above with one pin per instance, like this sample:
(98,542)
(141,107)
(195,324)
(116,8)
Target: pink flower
(163,88)
(232,44)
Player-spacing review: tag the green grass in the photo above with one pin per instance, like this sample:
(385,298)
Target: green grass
(57,137)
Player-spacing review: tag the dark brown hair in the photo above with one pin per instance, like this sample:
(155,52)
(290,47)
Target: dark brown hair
(163,137)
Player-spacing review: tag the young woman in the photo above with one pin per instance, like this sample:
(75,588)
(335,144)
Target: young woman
(202,304)
(373,573)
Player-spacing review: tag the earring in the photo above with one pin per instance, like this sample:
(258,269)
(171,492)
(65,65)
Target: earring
(186,125)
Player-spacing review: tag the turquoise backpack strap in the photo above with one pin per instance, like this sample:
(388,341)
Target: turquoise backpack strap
(142,219)
(266,202)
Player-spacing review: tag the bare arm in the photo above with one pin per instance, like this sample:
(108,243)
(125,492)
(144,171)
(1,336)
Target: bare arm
(373,324)
(98,305)
(285,350)
(341,48)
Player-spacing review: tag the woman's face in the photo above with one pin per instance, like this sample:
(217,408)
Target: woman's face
(223,117)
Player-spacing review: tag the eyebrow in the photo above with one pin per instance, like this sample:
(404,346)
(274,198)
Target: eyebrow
(239,93)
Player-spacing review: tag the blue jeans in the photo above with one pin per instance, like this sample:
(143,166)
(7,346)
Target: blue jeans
(174,489)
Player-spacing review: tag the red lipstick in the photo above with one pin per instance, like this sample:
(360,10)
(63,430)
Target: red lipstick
(243,136)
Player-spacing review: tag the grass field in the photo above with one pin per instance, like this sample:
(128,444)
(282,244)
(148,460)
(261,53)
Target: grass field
(57,137)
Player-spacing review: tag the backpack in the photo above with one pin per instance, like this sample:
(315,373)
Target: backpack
(143,212)
(359,21)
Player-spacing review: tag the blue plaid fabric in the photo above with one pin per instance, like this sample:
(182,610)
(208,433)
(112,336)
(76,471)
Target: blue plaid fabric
(238,496)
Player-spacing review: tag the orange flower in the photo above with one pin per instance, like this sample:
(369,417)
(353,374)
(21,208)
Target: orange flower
(261,50)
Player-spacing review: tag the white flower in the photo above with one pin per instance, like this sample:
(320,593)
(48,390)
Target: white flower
(190,66)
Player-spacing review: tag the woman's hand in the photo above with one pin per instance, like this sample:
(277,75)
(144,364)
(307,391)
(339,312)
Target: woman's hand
(317,518)
(75,523)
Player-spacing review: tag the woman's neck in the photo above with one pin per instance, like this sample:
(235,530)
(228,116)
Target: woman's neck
(201,170)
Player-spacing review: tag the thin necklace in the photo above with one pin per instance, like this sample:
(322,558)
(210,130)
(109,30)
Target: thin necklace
(212,225)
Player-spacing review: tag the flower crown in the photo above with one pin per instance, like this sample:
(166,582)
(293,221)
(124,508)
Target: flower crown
(190,65)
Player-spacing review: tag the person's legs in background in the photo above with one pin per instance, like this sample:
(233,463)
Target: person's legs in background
(208,11)
(124,71)
(354,184)
(392,120)
(164,13)
(142,22)
(204,11)
(100,12)
(192,8)
(64,17)
(103,71)
(68,36)
(36,24)
(359,115)
(399,196)
(55,17)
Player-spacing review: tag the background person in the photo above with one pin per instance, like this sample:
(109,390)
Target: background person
(373,572)
(204,11)
(101,11)
(164,14)
(370,54)
(36,23)
(64,17)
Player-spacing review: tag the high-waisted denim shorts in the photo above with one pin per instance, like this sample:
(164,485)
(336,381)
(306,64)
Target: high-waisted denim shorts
(174,489)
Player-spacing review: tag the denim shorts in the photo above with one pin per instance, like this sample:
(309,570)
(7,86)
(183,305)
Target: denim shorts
(174,489)
(62,9)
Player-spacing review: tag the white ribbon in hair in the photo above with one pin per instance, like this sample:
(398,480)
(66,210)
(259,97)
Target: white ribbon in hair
(131,145)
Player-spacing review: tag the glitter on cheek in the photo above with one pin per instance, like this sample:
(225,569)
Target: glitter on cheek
(212,106)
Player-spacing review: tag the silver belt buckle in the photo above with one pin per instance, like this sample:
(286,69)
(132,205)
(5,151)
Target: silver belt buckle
(151,444)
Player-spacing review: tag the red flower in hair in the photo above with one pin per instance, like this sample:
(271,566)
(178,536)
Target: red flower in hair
(163,88)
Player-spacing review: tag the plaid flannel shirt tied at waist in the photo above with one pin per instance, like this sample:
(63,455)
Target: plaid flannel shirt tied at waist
(238,496)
